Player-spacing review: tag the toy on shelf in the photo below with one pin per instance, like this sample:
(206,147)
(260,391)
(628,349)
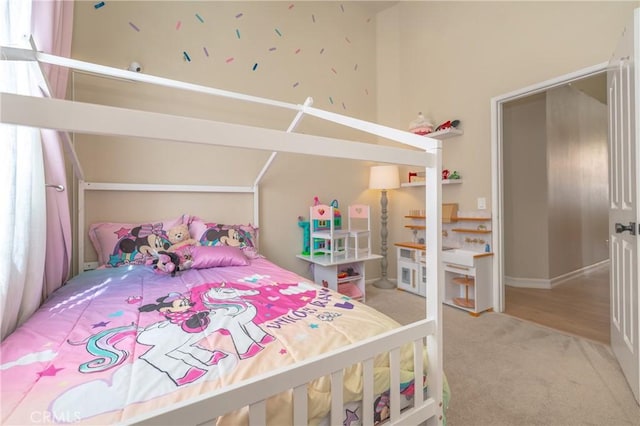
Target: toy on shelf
(416,177)
(448,124)
(446,174)
(420,126)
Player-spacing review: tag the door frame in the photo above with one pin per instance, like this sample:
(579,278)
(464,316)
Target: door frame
(497,188)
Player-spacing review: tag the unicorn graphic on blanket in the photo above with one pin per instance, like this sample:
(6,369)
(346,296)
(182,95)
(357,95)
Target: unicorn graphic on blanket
(174,343)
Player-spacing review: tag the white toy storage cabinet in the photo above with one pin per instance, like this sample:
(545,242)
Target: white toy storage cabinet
(467,280)
(412,269)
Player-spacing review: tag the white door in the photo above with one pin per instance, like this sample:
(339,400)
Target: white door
(623,82)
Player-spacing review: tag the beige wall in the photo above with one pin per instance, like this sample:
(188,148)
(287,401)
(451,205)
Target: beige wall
(555,186)
(526,208)
(578,181)
(325,50)
(446,59)
(453,57)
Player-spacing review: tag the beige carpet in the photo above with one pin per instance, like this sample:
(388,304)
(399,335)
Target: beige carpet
(506,371)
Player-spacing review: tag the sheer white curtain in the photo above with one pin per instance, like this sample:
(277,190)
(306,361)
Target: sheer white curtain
(52,29)
(22,189)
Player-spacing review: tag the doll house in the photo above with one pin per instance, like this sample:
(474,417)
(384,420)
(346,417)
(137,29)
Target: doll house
(326,236)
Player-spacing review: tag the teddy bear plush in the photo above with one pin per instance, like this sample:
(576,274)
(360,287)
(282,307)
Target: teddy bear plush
(179,237)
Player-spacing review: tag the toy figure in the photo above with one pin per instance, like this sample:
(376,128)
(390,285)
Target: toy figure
(179,237)
(167,262)
(305,235)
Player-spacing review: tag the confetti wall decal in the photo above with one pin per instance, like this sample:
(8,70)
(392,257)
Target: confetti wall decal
(350,92)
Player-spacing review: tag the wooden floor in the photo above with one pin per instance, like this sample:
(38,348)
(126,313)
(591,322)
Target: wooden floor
(579,306)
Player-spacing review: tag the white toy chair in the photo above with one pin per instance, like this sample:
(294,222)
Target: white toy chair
(359,223)
(325,237)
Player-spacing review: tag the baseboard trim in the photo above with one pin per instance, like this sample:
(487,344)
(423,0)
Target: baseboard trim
(578,272)
(527,282)
(550,283)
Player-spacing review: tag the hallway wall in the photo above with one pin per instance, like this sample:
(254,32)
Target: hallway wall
(555,186)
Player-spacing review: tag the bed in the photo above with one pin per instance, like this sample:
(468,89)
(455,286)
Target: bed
(133,345)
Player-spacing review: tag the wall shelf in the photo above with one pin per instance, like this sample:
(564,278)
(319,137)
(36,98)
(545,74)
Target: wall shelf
(422,183)
(445,133)
(472,231)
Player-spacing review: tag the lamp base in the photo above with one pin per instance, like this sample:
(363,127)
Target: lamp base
(384,283)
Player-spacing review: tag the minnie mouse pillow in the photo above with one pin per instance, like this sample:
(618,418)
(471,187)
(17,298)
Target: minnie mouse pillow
(120,244)
(244,237)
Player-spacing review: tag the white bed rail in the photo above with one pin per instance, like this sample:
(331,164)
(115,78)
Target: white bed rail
(107,120)
(100,119)
(257,390)
(407,138)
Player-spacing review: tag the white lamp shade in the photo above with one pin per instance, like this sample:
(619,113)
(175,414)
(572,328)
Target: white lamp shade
(384,177)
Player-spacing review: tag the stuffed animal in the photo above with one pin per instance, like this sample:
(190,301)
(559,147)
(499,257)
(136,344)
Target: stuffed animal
(179,237)
(167,262)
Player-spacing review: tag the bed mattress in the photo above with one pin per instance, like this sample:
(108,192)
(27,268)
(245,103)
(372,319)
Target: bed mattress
(116,342)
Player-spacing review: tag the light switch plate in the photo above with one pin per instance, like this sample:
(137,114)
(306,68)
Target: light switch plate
(482,203)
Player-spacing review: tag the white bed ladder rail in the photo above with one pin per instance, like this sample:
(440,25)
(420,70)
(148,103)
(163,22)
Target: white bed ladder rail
(407,138)
(254,392)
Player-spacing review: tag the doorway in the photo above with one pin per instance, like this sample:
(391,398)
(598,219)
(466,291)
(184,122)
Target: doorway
(552,267)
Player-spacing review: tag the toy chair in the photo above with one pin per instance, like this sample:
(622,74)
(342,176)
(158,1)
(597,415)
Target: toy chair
(326,235)
(359,221)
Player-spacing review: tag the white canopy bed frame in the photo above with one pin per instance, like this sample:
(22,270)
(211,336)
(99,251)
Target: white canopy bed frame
(69,116)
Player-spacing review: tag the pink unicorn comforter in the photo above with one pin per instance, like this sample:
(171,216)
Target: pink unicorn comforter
(113,343)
